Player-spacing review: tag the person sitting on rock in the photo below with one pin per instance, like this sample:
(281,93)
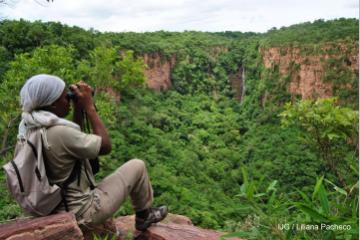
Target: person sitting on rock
(45,102)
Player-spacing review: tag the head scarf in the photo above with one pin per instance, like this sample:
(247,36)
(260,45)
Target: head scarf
(39,91)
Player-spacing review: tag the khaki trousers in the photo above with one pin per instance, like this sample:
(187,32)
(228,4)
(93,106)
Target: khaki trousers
(131,179)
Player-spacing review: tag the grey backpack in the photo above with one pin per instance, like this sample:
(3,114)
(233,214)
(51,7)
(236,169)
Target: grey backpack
(27,180)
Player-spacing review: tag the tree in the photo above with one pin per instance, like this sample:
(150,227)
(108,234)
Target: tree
(108,68)
(328,127)
(99,70)
(130,70)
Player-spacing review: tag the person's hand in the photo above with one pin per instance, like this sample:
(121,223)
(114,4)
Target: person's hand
(83,95)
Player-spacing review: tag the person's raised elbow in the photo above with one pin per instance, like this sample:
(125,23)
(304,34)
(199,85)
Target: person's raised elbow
(105,148)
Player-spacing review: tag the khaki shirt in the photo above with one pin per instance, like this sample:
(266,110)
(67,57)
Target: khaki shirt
(63,147)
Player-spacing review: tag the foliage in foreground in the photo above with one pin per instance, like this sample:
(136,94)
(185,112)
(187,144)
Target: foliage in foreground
(326,214)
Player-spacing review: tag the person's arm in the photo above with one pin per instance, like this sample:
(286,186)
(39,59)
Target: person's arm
(99,129)
(84,101)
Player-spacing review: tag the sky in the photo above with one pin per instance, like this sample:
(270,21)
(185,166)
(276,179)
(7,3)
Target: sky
(179,15)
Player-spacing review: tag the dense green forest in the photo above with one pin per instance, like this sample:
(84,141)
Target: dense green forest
(246,168)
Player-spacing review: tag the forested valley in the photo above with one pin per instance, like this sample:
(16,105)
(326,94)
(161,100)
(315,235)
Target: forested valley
(240,139)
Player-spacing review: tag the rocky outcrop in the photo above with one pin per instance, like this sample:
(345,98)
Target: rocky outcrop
(306,69)
(179,232)
(125,225)
(158,71)
(64,226)
(173,227)
(54,227)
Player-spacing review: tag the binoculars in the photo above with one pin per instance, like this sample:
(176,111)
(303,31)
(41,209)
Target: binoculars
(71,95)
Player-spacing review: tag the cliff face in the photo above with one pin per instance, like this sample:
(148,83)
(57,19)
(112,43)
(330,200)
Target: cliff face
(308,72)
(237,82)
(158,71)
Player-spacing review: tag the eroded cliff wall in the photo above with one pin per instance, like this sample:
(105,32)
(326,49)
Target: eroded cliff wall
(316,72)
(158,71)
(311,71)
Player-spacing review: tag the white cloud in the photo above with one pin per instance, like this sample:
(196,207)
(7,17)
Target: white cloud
(179,15)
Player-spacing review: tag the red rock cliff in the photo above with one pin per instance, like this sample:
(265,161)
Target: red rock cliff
(308,78)
(158,71)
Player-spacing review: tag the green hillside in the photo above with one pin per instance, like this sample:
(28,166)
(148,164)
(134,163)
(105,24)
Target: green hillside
(241,167)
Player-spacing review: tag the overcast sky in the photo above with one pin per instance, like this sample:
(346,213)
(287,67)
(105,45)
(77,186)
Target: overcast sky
(180,15)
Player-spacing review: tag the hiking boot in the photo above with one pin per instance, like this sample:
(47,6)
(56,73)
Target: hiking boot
(155,215)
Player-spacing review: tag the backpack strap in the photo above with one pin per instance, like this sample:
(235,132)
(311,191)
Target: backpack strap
(95,165)
(76,172)
(92,185)
(33,148)
(18,175)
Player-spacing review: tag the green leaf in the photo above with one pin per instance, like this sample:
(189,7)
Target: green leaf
(259,195)
(324,200)
(355,207)
(340,190)
(336,188)
(354,168)
(245,176)
(355,186)
(314,214)
(271,186)
(317,186)
(332,136)
(303,195)
(272,199)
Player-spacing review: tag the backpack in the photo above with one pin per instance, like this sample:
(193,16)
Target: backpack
(27,179)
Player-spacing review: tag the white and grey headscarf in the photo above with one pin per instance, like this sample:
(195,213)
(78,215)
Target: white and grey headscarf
(39,91)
